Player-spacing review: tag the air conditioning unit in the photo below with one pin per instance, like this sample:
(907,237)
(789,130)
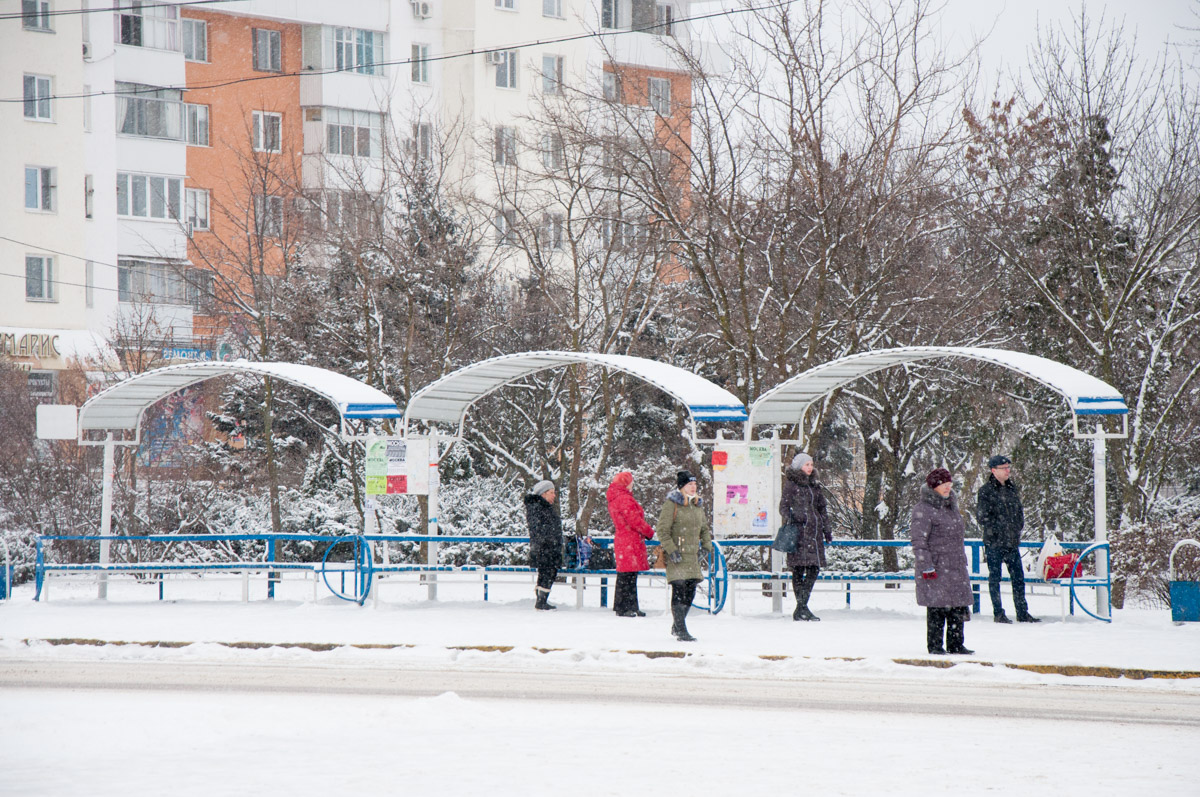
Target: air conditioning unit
(87,50)
(494,58)
(421,9)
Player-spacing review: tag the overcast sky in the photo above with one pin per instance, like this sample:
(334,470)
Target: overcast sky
(1011,26)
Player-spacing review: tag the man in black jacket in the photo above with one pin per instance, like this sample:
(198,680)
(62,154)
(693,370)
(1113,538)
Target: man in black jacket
(1001,516)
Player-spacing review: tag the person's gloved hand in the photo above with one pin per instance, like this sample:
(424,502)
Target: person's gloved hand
(828,537)
(929,575)
(674,557)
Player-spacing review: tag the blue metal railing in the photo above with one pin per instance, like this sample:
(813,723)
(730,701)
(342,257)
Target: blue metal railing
(362,569)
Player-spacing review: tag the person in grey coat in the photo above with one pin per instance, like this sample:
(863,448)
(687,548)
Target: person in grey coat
(943,583)
(1000,514)
(803,503)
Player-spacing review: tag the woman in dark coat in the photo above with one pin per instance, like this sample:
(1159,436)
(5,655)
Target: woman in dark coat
(943,583)
(629,543)
(803,503)
(545,539)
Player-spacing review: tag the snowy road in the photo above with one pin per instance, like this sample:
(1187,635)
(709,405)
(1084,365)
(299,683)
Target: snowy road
(1088,703)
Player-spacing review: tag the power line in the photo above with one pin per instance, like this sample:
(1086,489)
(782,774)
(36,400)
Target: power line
(409,61)
(77,11)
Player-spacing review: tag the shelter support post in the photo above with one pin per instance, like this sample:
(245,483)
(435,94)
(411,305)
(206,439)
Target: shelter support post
(778,560)
(431,547)
(1099,466)
(106,513)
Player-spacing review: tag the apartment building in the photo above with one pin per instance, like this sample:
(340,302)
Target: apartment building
(153,138)
(46,279)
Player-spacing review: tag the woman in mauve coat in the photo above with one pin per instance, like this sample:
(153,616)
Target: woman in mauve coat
(943,583)
(803,504)
(629,543)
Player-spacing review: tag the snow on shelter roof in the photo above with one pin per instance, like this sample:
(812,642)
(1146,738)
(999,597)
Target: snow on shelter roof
(121,406)
(785,403)
(449,398)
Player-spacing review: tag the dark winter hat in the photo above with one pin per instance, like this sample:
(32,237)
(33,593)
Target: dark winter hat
(683,477)
(544,486)
(998,460)
(938,476)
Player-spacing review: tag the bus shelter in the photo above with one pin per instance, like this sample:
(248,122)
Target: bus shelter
(1089,399)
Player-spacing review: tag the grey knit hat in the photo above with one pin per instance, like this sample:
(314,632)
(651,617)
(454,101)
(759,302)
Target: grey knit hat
(544,486)
(800,460)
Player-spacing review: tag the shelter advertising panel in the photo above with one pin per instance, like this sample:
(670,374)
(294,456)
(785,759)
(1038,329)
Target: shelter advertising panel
(397,466)
(742,494)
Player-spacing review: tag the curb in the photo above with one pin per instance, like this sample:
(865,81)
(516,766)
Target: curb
(1070,670)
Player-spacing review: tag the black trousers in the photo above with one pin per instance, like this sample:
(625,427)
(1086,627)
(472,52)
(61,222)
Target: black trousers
(951,618)
(545,577)
(625,597)
(683,592)
(996,559)
(803,580)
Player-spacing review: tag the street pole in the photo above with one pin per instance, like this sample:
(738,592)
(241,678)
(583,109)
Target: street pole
(106,514)
(1099,463)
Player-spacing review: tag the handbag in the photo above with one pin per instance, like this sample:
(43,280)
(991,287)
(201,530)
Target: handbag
(1061,565)
(787,538)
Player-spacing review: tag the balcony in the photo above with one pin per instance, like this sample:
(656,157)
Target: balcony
(150,117)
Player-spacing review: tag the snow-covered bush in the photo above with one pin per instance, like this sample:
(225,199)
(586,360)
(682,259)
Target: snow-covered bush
(1140,551)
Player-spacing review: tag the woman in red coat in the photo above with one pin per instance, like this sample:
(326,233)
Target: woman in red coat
(629,543)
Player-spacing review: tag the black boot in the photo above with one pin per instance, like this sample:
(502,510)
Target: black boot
(543,600)
(935,622)
(803,581)
(679,629)
(954,634)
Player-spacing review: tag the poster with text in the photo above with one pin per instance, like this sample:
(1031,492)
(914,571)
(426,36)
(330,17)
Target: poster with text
(742,489)
(397,466)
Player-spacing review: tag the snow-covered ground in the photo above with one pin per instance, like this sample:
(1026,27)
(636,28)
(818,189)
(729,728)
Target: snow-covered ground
(99,741)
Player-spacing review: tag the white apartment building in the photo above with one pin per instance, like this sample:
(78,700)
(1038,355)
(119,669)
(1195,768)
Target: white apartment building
(122,127)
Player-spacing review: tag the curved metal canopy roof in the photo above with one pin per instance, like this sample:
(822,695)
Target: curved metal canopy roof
(449,398)
(787,402)
(121,406)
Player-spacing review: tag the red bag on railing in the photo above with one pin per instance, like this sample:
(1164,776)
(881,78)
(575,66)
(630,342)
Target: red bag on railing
(1061,565)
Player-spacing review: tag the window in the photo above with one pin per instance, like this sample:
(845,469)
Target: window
(268,214)
(148,25)
(355,133)
(40,188)
(267,50)
(87,108)
(553,153)
(506,70)
(199,287)
(195,124)
(195,39)
(156,283)
(89,283)
(659,91)
(608,14)
(612,87)
(506,5)
(195,209)
(356,50)
(39,278)
(506,223)
(420,63)
(149,112)
(664,19)
(148,196)
(550,233)
(89,194)
(268,131)
(35,14)
(422,140)
(552,8)
(505,150)
(37,97)
(552,74)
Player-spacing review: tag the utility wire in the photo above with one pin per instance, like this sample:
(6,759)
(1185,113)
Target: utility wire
(76,11)
(408,61)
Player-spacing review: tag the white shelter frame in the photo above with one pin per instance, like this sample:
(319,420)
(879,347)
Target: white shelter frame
(449,399)
(1087,397)
(122,407)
